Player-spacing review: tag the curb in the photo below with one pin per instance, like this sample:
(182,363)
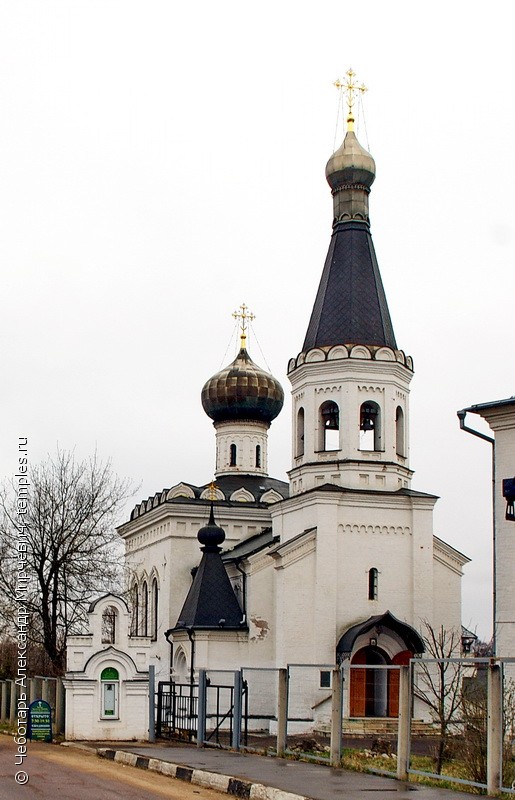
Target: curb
(200,777)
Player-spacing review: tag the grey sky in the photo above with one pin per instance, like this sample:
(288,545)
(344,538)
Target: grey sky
(162,162)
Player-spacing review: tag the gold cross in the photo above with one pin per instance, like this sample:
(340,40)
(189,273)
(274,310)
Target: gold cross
(243,314)
(352,89)
(212,491)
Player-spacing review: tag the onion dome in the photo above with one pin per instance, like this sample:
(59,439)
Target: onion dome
(242,391)
(211,535)
(350,165)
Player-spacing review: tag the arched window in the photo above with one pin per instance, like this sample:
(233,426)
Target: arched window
(233,453)
(109,683)
(135,610)
(109,625)
(370,426)
(372,583)
(299,449)
(144,610)
(258,456)
(155,595)
(400,436)
(329,426)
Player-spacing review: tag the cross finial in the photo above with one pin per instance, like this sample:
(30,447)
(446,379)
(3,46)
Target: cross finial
(351,88)
(243,314)
(212,491)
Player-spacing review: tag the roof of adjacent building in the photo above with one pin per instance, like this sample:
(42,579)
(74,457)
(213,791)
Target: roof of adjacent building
(479,407)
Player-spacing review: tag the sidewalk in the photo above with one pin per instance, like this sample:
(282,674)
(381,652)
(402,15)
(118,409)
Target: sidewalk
(264,777)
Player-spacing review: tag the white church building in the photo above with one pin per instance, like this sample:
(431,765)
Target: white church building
(339,562)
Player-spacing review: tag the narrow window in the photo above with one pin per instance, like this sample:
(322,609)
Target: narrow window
(372,583)
(329,426)
(109,625)
(370,427)
(258,456)
(400,440)
(232,461)
(299,450)
(144,609)
(325,679)
(135,610)
(155,596)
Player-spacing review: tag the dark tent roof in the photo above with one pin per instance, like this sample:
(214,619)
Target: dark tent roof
(211,598)
(350,306)
(409,635)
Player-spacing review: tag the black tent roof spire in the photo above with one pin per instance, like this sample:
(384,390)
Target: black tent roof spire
(211,602)
(350,306)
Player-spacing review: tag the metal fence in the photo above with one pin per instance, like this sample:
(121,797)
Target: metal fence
(451,719)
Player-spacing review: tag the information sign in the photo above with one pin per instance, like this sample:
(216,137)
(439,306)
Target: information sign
(40,721)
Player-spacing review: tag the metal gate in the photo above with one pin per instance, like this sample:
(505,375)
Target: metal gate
(177,710)
(223,710)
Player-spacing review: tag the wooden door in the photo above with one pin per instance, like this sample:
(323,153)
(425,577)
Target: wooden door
(401,659)
(358,686)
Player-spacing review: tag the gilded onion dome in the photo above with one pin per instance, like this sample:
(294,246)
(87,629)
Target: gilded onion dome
(242,391)
(350,165)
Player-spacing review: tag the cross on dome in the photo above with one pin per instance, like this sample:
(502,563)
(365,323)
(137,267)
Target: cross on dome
(351,88)
(243,314)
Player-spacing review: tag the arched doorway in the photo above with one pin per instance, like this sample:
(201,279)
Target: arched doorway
(372,643)
(369,687)
(374,692)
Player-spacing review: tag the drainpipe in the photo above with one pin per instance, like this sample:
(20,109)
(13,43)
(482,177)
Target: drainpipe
(189,631)
(244,589)
(461,416)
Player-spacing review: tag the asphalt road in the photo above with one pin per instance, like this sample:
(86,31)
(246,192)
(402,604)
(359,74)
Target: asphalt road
(63,773)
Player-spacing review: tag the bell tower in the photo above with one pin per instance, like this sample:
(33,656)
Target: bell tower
(350,382)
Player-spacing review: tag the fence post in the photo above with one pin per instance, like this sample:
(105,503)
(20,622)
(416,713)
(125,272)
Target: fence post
(494,730)
(336,716)
(32,690)
(282,711)
(12,703)
(403,730)
(151,703)
(59,706)
(237,710)
(201,707)
(44,689)
(3,701)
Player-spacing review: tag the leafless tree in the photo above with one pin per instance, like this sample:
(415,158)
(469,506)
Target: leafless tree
(73,551)
(438,683)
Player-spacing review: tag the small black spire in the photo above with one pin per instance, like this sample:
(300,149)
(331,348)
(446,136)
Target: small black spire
(211,601)
(211,535)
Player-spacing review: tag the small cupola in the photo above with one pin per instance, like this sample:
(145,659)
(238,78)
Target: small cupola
(242,400)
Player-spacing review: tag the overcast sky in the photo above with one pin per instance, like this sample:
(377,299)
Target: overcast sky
(163,162)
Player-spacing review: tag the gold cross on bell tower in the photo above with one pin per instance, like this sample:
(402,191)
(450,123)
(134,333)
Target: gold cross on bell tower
(243,314)
(352,89)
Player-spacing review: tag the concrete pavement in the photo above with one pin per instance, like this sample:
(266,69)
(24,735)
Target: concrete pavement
(265,777)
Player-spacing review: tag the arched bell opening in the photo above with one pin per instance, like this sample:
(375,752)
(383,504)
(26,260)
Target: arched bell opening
(328,426)
(370,427)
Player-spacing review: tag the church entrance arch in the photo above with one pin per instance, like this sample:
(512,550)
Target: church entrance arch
(371,646)
(374,692)
(369,686)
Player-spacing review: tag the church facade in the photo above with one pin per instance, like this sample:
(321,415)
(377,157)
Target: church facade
(338,563)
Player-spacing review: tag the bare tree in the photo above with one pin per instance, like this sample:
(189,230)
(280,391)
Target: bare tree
(73,551)
(439,681)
